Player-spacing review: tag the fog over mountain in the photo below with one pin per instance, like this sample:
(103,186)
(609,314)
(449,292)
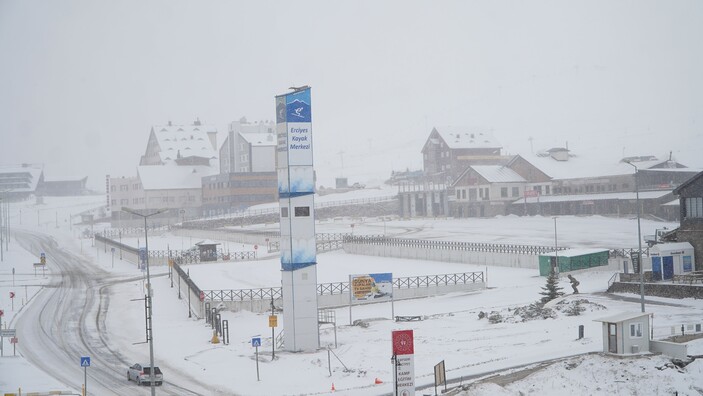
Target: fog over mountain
(82,81)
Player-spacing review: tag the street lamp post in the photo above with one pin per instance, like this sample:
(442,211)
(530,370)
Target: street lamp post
(150,308)
(639,234)
(556,249)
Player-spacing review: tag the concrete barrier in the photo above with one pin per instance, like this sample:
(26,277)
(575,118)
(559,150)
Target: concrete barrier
(673,349)
(513,260)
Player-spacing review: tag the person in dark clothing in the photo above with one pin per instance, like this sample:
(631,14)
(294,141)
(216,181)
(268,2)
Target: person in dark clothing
(574,283)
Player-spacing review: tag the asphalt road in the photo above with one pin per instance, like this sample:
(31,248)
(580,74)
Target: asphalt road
(66,320)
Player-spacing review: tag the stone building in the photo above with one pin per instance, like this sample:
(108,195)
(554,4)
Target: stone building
(691,214)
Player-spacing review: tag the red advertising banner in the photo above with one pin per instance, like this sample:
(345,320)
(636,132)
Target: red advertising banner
(403,342)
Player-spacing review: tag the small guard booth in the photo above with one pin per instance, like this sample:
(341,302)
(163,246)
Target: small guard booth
(626,333)
(669,259)
(207,250)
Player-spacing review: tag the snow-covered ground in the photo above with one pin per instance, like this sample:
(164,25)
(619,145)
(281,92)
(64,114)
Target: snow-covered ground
(451,329)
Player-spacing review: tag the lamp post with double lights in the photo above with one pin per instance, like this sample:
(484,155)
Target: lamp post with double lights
(150,309)
(639,233)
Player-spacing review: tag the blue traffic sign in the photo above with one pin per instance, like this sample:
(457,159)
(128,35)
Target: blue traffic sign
(256,341)
(85,361)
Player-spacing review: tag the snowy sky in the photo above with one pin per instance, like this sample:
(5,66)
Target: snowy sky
(82,81)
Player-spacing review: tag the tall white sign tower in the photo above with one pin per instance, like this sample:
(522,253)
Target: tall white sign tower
(296,188)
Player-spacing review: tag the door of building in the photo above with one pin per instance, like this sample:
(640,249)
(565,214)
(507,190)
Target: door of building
(612,337)
(668,270)
(657,268)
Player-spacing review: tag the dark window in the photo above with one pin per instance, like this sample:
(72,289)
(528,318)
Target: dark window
(284,212)
(302,211)
(504,192)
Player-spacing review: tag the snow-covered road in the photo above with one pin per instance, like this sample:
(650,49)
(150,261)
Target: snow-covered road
(65,321)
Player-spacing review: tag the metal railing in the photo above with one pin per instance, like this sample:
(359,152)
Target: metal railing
(450,245)
(343,287)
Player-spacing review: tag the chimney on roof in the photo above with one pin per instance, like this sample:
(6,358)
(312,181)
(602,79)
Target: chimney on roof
(169,122)
(197,121)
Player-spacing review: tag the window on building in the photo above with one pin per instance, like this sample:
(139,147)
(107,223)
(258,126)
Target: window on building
(694,207)
(458,194)
(302,211)
(546,190)
(124,201)
(463,193)
(123,187)
(284,212)
(636,329)
(135,186)
(113,188)
(504,192)
(113,202)
(516,191)
(135,201)
(164,199)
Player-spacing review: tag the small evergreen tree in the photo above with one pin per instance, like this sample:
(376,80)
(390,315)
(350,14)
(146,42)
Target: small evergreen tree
(552,289)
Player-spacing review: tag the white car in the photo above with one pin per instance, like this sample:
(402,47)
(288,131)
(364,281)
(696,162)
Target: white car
(140,374)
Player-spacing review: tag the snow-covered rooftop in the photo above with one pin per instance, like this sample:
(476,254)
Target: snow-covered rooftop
(259,139)
(458,137)
(623,316)
(184,140)
(498,174)
(576,252)
(594,197)
(173,177)
(34,172)
(590,164)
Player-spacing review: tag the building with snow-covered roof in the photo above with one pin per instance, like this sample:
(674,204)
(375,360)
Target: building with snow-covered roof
(690,229)
(449,150)
(169,175)
(488,190)
(194,144)
(20,181)
(249,147)
(575,173)
(247,174)
(609,203)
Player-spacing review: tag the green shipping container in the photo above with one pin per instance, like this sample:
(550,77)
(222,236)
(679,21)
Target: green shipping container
(573,259)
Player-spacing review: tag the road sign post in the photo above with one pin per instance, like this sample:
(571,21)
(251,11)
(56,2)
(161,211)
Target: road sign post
(12,298)
(85,363)
(256,343)
(1,339)
(273,323)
